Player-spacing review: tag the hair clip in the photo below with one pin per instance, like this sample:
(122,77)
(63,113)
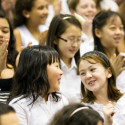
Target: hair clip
(79,18)
(77,110)
(67,17)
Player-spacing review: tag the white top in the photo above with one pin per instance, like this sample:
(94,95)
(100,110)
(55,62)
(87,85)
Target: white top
(109,5)
(40,113)
(70,84)
(87,44)
(26,35)
(120,81)
(119,116)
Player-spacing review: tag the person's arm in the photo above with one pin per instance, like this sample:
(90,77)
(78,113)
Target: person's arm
(18,39)
(3,54)
(108,112)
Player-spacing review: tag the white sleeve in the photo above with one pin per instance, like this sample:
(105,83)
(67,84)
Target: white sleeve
(21,112)
(119,116)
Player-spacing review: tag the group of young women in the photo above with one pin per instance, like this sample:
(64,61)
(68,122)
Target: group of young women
(48,77)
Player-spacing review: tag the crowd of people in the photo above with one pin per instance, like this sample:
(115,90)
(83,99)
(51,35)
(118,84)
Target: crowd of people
(62,62)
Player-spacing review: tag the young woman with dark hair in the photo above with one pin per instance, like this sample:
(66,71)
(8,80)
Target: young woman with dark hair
(64,35)
(34,94)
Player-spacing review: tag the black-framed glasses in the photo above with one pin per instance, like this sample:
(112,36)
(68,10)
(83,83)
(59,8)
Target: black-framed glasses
(71,41)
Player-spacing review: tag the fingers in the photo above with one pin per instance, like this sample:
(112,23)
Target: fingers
(117,62)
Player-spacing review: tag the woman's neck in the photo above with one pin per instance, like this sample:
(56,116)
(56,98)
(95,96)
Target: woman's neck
(87,29)
(32,27)
(67,62)
(34,30)
(110,52)
(101,96)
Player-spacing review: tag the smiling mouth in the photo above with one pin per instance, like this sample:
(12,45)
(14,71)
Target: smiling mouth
(91,83)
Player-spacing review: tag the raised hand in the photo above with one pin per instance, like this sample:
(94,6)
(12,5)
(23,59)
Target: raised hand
(118,62)
(3,53)
(108,112)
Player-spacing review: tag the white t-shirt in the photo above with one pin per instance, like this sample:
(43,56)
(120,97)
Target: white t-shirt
(26,35)
(118,117)
(87,44)
(70,84)
(40,113)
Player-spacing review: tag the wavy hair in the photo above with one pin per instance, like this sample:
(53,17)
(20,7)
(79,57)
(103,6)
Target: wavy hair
(113,93)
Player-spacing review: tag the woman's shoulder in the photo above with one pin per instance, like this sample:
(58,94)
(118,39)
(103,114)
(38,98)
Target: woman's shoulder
(20,101)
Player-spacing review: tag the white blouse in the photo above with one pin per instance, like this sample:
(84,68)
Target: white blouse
(118,117)
(70,84)
(40,113)
(87,44)
(26,35)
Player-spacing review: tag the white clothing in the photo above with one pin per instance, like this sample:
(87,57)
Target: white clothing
(50,15)
(109,5)
(40,113)
(87,44)
(120,81)
(118,117)
(65,8)
(70,84)
(26,35)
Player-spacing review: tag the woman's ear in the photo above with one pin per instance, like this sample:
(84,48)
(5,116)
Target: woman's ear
(26,13)
(55,41)
(98,33)
(109,73)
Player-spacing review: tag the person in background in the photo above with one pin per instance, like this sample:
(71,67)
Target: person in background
(87,10)
(77,114)
(64,35)
(35,93)
(121,11)
(111,26)
(9,54)
(8,8)
(99,87)
(29,21)
(8,115)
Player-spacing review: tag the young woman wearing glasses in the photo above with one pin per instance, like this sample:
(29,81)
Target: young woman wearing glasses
(65,36)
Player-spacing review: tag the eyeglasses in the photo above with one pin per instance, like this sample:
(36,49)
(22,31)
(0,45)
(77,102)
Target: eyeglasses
(71,41)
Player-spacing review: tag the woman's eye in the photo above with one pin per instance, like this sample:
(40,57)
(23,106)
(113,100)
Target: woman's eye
(82,73)
(5,31)
(93,69)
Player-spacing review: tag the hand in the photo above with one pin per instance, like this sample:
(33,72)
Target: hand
(57,7)
(118,62)
(3,54)
(21,49)
(43,37)
(108,112)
